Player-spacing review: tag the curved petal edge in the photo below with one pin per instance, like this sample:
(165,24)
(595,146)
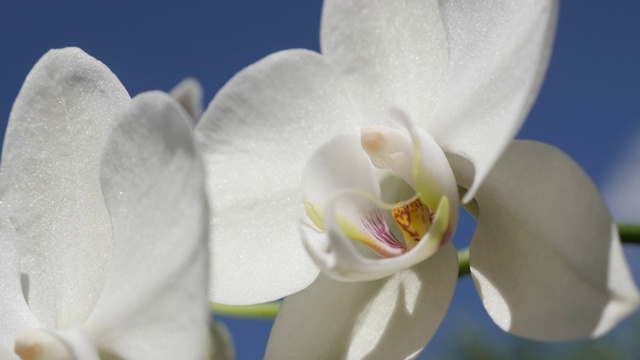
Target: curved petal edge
(546,258)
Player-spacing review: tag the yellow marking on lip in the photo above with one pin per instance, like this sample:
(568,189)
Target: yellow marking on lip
(414,221)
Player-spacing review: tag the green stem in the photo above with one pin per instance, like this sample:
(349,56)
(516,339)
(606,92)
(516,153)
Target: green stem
(463,262)
(259,311)
(629,234)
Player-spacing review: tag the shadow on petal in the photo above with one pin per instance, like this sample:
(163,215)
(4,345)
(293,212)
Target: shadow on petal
(390,318)
(546,257)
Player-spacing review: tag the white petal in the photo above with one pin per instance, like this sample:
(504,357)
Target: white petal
(546,257)
(189,94)
(14,312)
(7,354)
(154,304)
(256,136)
(393,53)
(49,180)
(498,55)
(392,318)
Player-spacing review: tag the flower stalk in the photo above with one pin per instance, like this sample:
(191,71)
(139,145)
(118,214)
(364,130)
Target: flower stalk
(629,234)
(463,263)
(258,311)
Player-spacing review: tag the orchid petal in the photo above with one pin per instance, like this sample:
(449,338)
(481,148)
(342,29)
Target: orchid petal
(7,354)
(393,53)
(154,304)
(49,180)
(14,312)
(498,55)
(256,136)
(546,257)
(188,93)
(392,318)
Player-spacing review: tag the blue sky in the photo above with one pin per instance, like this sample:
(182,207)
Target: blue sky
(589,105)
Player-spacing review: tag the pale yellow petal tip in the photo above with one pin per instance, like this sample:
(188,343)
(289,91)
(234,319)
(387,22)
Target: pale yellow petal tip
(34,344)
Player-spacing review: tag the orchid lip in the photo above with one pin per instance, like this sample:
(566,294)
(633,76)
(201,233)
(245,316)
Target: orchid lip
(343,261)
(375,225)
(411,219)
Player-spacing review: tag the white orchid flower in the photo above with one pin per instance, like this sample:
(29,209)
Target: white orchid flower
(103,239)
(545,257)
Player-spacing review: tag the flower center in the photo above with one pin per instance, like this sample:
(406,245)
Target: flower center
(412,218)
(388,188)
(392,151)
